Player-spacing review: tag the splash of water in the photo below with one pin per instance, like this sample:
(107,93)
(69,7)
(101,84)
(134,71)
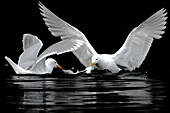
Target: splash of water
(87,71)
(71,72)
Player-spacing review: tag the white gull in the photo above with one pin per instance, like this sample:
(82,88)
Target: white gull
(29,61)
(129,57)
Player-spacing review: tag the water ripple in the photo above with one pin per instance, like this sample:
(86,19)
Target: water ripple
(134,92)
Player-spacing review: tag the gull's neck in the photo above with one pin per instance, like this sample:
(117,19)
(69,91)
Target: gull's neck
(49,68)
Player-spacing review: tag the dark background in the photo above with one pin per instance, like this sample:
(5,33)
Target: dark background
(106,25)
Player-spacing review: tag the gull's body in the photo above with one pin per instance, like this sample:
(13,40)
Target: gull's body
(129,56)
(29,61)
(105,61)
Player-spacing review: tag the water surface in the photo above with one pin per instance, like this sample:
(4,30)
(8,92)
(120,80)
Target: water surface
(133,92)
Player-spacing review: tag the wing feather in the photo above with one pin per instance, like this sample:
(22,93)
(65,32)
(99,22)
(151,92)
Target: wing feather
(59,27)
(60,47)
(134,50)
(31,47)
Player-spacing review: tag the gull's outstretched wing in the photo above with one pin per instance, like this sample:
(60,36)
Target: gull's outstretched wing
(138,42)
(31,48)
(59,27)
(60,47)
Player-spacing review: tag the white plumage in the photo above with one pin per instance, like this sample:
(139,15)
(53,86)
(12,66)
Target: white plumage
(138,42)
(129,56)
(58,27)
(29,61)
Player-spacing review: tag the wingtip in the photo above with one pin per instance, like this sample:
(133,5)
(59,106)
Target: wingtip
(28,35)
(42,8)
(6,57)
(164,11)
(165,14)
(40,4)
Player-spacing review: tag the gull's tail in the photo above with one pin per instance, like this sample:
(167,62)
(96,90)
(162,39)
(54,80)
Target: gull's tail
(16,68)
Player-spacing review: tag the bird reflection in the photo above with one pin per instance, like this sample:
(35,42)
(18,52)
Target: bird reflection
(84,92)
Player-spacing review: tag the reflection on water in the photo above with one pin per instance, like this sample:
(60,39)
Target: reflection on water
(131,91)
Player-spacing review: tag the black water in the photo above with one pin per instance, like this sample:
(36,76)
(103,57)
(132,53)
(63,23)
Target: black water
(130,92)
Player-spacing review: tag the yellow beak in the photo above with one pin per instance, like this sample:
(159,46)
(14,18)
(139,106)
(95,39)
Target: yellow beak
(91,64)
(59,66)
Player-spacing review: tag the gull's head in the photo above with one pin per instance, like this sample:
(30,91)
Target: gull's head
(52,63)
(95,59)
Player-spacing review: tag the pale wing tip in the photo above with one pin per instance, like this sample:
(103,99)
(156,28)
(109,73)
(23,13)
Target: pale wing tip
(40,4)
(41,7)
(27,34)
(6,57)
(164,13)
(163,10)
